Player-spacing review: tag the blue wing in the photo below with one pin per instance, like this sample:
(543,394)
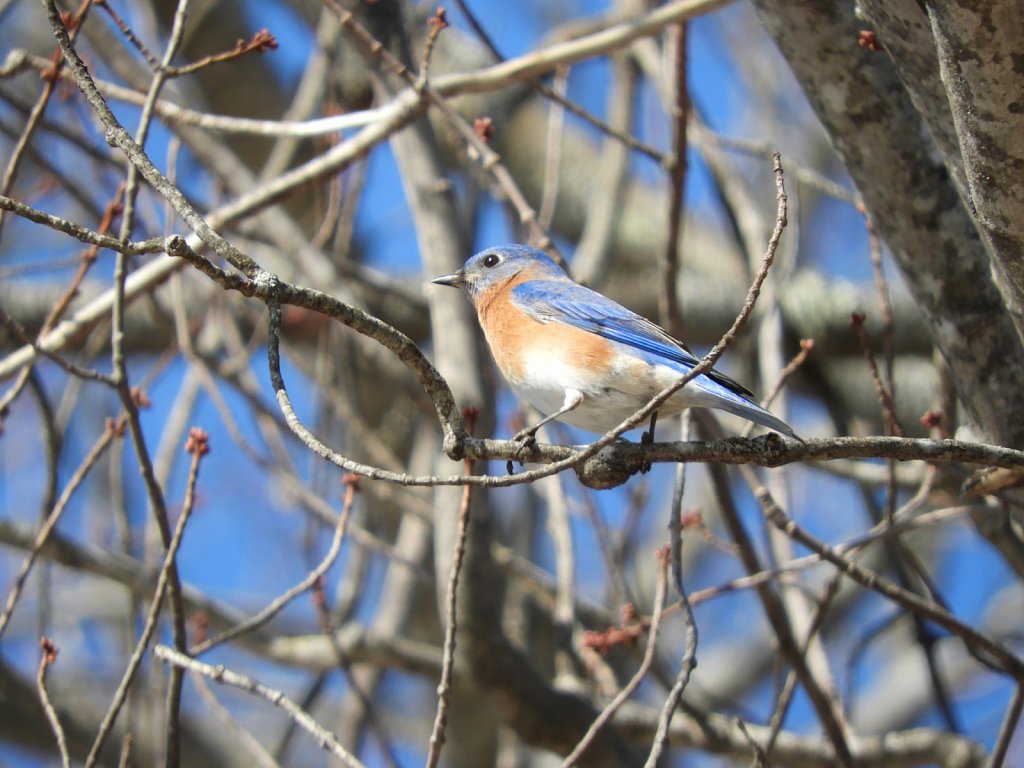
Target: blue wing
(567,302)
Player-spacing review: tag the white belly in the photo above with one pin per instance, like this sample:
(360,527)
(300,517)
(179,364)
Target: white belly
(607,400)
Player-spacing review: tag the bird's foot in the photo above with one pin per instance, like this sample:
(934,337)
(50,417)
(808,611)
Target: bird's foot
(647,438)
(526,439)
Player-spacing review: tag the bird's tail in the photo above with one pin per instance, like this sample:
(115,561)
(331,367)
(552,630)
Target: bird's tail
(753,412)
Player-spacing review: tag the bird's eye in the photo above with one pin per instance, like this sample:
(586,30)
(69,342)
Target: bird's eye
(491,260)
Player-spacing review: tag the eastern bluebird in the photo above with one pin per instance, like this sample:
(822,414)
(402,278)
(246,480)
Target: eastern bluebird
(578,356)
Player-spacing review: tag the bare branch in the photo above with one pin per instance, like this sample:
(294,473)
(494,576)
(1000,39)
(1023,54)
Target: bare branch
(221,674)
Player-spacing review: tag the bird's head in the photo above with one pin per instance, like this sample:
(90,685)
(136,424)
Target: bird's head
(496,266)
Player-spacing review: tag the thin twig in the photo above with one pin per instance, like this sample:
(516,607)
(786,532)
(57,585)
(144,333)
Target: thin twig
(117,136)
(553,145)
(36,114)
(884,301)
(623,136)
(593,248)
(402,110)
(686,666)
(760,758)
(661,590)
(888,339)
(129,35)
(803,174)
(48,657)
(59,307)
(1008,728)
(610,39)
(18,332)
(604,41)
(327,627)
(477,143)
(110,212)
(221,674)
(781,624)
(176,114)
(112,430)
(437,23)
(989,650)
(785,699)
(311,578)
(806,346)
(689,659)
(877,533)
(881,388)
(437,735)
(615,548)
(198,447)
(124,760)
(675,512)
(261,42)
(669,305)
(564,614)
(52,439)
(249,742)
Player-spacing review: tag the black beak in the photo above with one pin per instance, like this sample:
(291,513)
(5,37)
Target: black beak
(455,280)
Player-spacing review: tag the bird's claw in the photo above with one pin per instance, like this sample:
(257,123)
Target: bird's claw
(646,438)
(526,439)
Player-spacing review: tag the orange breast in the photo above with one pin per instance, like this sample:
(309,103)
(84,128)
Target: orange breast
(520,344)
(509,330)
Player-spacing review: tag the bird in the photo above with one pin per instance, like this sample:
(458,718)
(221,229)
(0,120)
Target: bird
(579,357)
